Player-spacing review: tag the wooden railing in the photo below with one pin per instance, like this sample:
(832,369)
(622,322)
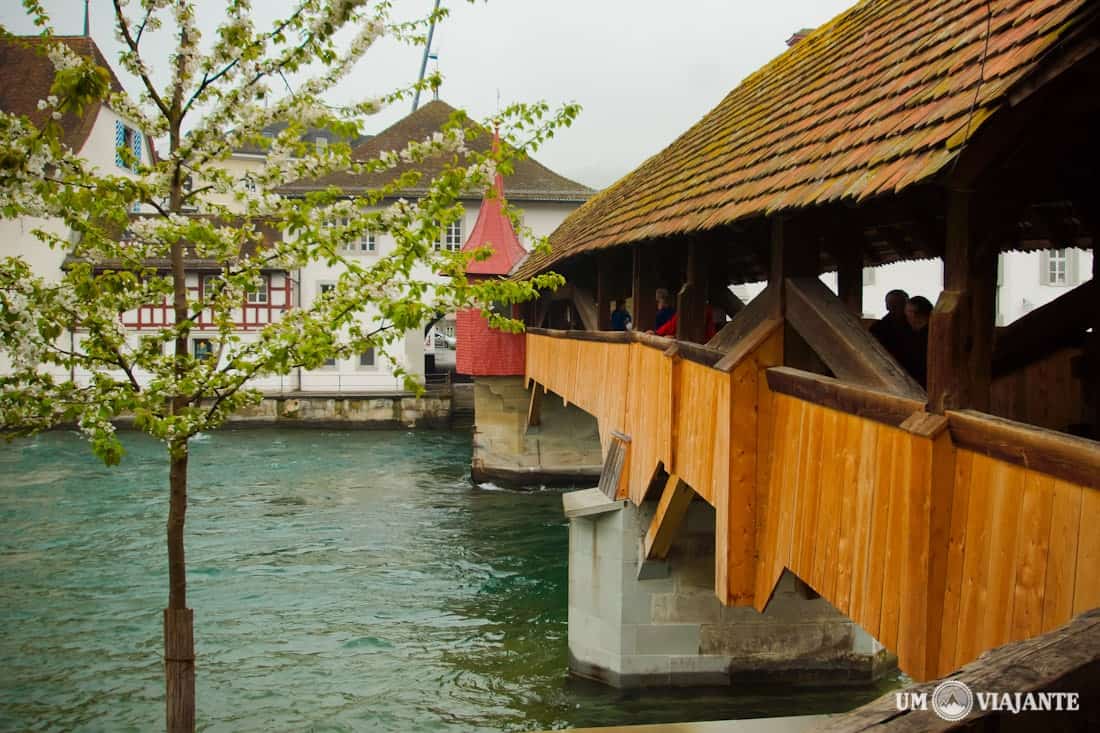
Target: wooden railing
(941,535)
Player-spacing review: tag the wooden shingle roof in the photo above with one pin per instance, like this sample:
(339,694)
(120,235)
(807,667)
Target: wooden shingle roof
(880,98)
(529,181)
(26,75)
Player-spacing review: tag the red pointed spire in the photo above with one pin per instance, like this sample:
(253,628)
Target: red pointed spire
(494,228)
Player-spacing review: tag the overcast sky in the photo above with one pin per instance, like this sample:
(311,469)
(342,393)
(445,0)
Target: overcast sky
(643,70)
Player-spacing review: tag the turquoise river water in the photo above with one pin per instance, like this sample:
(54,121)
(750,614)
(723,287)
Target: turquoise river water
(341,581)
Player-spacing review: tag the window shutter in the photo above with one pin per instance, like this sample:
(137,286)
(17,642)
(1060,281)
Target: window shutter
(120,140)
(1044,267)
(137,148)
(1071,266)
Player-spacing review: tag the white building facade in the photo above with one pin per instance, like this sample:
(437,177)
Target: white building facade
(544,197)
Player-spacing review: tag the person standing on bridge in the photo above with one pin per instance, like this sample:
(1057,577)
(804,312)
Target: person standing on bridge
(665,309)
(620,317)
(893,330)
(918,311)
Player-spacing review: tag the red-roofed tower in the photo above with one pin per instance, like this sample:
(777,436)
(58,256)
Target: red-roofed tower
(482,351)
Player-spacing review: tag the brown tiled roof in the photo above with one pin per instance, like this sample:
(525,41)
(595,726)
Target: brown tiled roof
(26,75)
(878,99)
(530,181)
(310,135)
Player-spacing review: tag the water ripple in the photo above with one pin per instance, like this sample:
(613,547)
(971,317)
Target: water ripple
(341,581)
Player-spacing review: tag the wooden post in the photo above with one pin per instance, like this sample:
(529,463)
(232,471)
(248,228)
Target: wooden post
(603,292)
(691,304)
(644,288)
(794,253)
(179,669)
(960,343)
(1092,353)
(849,274)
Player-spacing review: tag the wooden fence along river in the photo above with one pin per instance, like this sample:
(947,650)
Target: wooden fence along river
(941,535)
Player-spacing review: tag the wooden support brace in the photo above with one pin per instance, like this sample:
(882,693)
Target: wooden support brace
(586,309)
(841,342)
(763,307)
(534,408)
(671,510)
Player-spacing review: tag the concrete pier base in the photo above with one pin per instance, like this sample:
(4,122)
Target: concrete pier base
(671,630)
(564,449)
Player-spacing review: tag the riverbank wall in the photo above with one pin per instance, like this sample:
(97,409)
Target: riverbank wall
(371,411)
(562,449)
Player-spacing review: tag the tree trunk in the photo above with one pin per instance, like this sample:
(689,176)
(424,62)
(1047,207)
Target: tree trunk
(179,635)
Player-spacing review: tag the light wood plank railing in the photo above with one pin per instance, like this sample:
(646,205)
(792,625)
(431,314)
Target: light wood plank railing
(942,536)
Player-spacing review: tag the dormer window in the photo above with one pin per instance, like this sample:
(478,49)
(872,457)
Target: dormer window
(320,143)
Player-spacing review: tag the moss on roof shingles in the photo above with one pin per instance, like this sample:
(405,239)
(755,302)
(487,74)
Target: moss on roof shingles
(874,101)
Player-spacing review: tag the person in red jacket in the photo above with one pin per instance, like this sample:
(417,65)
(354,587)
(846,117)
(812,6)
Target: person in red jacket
(669,328)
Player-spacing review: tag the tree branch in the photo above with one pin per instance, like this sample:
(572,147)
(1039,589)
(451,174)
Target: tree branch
(208,80)
(124,29)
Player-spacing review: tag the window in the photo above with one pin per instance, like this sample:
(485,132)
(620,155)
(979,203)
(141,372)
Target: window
(1058,267)
(364,244)
(127,138)
(1055,267)
(202,349)
(259,295)
(325,288)
(320,144)
(248,183)
(211,286)
(366,358)
(451,236)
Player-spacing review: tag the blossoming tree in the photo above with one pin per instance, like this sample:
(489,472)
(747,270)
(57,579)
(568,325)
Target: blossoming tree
(220,93)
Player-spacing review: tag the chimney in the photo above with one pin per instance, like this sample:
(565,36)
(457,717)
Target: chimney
(798,36)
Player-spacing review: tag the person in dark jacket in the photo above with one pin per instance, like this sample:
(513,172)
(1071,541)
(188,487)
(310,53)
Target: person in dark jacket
(918,312)
(620,317)
(892,330)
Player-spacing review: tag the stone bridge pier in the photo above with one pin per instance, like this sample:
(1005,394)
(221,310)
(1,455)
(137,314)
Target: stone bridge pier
(634,623)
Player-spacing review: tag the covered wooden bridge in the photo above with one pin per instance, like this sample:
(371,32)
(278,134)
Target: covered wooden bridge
(944,521)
